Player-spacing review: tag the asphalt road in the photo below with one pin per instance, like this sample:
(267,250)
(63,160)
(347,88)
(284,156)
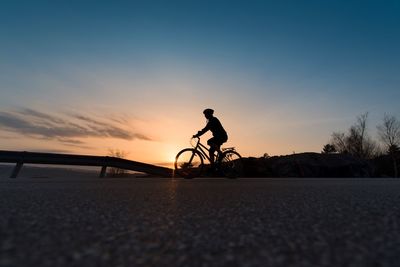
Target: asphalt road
(200,222)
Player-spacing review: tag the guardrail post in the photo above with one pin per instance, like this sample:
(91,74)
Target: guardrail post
(103,172)
(16,170)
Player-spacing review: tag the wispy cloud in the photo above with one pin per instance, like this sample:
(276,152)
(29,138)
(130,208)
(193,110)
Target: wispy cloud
(67,128)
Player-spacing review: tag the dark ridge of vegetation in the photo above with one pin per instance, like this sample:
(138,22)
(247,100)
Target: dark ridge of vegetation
(307,165)
(319,165)
(348,154)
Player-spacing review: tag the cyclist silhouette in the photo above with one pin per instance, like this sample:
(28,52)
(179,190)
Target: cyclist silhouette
(219,134)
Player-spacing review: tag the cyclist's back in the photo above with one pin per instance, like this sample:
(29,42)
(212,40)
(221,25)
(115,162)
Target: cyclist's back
(215,126)
(219,134)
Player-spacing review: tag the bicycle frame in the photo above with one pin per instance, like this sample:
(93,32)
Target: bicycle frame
(225,158)
(202,150)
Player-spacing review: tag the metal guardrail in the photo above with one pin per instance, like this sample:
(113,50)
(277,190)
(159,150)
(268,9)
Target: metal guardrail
(24,157)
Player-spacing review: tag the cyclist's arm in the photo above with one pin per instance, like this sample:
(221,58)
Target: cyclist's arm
(203,131)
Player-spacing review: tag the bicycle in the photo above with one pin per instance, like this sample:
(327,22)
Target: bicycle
(189,162)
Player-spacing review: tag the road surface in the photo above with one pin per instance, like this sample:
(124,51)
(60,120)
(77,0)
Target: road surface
(200,222)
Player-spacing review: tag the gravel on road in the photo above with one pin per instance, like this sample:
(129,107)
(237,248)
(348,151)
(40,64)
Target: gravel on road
(199,222)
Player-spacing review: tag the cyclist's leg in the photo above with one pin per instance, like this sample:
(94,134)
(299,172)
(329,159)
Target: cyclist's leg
(213,148)
(215,145)
(219,143)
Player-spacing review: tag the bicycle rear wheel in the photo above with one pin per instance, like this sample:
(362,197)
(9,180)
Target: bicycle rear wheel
(188,163)
(231,164)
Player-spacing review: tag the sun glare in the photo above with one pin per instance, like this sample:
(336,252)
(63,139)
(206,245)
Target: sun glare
(171,158)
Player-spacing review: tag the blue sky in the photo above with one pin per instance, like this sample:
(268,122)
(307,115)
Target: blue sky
(281,75)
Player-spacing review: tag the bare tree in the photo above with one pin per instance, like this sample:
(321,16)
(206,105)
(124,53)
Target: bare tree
(389,134)
(356,142)
(389,131)
(116,172)
(339,141)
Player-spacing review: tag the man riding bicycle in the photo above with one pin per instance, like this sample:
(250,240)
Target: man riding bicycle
(219,134)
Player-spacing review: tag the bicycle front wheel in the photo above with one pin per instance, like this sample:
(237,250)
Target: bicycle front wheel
(231,164)
(188,163)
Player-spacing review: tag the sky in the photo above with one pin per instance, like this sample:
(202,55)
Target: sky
(88,77)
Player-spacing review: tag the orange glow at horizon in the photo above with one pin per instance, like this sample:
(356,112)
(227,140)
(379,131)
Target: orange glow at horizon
(169,114)
(170,134)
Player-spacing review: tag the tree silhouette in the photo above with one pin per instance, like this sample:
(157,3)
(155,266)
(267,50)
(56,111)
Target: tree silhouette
(356,142)
(393,149)
(389,134)
(328,149)
(116,172)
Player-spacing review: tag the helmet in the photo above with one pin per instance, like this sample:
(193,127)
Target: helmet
(208,111)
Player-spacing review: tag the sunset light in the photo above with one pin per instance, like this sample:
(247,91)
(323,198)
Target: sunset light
(189,133)
(275,77)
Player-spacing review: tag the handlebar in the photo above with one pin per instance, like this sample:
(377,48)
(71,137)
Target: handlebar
(191,140)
